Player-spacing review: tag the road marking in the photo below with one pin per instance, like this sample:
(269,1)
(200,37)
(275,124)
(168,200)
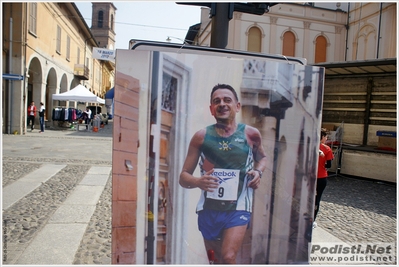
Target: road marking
(60,238)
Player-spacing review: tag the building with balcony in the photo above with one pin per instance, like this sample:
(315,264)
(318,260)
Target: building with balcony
(50,46)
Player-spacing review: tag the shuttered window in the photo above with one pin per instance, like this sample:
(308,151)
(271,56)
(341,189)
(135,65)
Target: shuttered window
(321,50)
(289,44)
(32,17)
(58,48)
(254,40)
(68,48)
(78,56)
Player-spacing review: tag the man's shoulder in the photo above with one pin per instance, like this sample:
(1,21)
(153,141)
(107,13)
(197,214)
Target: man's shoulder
(250,130)
(201,132)
(198,137)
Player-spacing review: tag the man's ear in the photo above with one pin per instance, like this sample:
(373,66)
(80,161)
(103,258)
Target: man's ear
(212,112)
(238,106)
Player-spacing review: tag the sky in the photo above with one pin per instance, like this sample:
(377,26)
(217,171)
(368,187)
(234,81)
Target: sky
(148,20)
(155,20)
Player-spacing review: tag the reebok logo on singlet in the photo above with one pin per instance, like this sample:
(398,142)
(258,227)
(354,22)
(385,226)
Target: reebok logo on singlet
(225,174)
(228,184)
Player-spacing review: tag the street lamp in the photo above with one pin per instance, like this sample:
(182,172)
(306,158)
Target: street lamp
(169,39)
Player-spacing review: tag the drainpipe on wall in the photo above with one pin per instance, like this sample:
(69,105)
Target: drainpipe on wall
(84,62)
(10,82)
(347,32)
(379,31)
(25,86)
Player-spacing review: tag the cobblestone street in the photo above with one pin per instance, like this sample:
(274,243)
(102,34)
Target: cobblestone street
(79,151)
(353,210)
(359,210)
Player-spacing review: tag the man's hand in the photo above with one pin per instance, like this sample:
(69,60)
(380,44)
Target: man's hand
(207,182)
(255,181)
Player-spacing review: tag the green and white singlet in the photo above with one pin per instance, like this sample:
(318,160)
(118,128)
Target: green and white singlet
(231,158)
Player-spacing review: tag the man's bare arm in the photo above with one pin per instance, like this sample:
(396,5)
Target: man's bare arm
(187,180)
(255,140)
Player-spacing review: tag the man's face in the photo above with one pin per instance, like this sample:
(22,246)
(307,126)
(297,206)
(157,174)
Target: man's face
(224,106)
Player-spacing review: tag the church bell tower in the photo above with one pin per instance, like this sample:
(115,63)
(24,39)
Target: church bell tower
(103,24)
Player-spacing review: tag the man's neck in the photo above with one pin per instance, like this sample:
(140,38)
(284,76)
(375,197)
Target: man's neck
(225,129)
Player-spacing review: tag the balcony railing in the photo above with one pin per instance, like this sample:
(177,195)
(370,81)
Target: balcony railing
(81,72)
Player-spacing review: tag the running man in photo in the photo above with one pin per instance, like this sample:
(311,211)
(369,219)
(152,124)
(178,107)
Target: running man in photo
(231,160)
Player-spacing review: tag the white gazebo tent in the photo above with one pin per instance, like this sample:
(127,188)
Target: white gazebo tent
(79,93)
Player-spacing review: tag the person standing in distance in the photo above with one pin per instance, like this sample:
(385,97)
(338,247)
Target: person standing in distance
(41,117)
(325,158)
(231,160)
(31,115)
(88,116)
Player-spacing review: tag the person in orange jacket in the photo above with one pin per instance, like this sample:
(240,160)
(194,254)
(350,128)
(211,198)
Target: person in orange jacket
(31,115)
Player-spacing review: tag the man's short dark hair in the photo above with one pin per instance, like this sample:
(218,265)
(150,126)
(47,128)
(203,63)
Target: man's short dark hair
(224,86)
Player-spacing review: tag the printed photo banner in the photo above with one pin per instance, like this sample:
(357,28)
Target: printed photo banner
(162,98)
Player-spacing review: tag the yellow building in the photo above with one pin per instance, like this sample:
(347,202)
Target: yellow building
(48,45)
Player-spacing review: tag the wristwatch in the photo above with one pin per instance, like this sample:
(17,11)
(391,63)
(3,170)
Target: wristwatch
(259,171)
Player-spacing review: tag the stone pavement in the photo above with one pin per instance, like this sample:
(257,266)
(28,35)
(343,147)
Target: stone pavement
(61,213)
(57,197)
(357,212)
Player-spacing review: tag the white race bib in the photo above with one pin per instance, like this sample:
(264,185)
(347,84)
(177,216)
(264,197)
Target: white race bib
(228,184)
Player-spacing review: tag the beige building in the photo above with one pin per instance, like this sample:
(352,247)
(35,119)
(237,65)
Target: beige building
(367,31)
(372,32)
(52,51)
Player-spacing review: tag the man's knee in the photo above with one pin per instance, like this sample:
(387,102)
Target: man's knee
(229,257)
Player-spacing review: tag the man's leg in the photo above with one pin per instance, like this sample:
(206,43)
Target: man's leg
(32,122)
(216,247)
(231,243)
(41,119)
(320,186)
